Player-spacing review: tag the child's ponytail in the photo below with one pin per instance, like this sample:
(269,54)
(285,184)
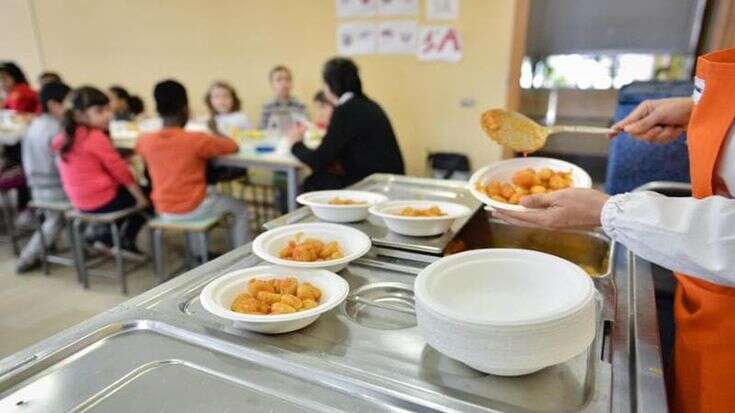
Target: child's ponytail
(78,101)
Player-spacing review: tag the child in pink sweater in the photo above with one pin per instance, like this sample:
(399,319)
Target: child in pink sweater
(95,177)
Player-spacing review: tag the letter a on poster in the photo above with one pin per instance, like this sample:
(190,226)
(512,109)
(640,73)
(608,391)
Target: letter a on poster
(439,43)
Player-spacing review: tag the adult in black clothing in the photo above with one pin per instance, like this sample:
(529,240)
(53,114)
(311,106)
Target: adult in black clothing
(359,141)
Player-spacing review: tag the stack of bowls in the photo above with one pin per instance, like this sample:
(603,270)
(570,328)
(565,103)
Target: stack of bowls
(506,312)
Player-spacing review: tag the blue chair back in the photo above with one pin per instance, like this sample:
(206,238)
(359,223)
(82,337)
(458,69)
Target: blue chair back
(632,163)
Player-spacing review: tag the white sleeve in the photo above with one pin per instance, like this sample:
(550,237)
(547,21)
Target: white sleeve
(692,236)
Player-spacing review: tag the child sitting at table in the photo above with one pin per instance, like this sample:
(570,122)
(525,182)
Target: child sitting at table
(324,109)
(224,109)
(177,159)
(95,177)
(283,103)
(40,170)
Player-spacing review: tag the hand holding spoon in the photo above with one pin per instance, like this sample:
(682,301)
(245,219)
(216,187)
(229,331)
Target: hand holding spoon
(521,134)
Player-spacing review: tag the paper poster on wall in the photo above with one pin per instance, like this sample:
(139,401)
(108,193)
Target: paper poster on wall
(397,37)
(356,8)
(398,7)
(439,43)
(442,9)
(356,38)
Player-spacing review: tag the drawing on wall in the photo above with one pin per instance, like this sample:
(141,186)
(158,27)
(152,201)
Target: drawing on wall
(356,8)
(356,38)
(442,9)
(439,43)
(398,7)
(397,37)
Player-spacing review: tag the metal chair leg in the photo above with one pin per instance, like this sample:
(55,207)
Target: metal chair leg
(159,258)
(204,246)
(189,243)
(117,252)
(37,213)
(77,241)
(9,220)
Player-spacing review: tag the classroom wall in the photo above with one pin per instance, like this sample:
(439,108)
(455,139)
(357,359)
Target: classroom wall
(137,42)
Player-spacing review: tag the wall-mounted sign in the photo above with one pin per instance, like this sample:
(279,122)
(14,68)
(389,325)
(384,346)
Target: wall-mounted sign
(439,43)
(442,9)
(356,8)
(397,37)
(356,38)
(398,7)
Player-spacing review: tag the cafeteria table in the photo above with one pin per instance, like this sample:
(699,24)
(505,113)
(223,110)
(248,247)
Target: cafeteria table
(279,160)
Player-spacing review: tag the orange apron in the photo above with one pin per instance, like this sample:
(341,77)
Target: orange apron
(704,353)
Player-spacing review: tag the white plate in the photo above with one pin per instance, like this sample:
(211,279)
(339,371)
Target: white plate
(218,295)
(318,202)
(354,244)
(419,226)
(503,171)
(506,311)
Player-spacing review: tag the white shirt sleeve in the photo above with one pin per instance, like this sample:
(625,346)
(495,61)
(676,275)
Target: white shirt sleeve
(692,236)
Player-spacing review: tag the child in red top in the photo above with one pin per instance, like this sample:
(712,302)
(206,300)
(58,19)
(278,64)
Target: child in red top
(19,96)
(94,175)
(22,99)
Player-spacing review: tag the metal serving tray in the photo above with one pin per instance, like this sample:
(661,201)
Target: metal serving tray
(397,187)
(373,347)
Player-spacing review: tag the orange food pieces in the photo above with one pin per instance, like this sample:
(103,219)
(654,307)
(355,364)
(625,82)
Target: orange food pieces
(345,201)
(433,211)
(311,250)
(526,182)
(287,296)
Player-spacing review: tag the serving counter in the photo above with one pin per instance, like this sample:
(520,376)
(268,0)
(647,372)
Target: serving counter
(161,351)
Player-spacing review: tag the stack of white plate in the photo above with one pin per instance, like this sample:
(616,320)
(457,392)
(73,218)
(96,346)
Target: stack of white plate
(507,312)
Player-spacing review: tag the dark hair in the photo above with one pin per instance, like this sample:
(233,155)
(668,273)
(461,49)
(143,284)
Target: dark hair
(321,97)
(342,75)
(279,68)
(80,100)
(136,105)
(48,77)
(55,91)
(171,99)
(12,70)
(120,92)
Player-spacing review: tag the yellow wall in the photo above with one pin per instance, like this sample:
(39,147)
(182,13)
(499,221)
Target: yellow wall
(137,42)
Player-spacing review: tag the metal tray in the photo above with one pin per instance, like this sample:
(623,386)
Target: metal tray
(399,187)
(375,347)
(145,365)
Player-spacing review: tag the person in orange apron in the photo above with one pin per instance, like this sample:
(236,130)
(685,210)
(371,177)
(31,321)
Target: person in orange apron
(695,236)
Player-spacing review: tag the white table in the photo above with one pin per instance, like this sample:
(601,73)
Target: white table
(280,160)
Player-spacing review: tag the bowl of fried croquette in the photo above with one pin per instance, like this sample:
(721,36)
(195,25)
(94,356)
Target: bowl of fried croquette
(420,218)
(504,184)
(274,300)
(312,245)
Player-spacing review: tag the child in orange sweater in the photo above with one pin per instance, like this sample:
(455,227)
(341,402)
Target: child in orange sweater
(177,159)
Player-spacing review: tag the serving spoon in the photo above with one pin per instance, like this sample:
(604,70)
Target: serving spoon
(521,134)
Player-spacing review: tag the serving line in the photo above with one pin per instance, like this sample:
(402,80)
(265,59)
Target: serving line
(162,342)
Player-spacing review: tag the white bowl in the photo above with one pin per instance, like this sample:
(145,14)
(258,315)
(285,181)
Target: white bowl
(503,171)
(218,295)
(354,244)
(506,311)
(318,202)
(419,226)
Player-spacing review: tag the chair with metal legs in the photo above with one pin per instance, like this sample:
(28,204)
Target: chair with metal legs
(85,268)
(40,208)
(196,237)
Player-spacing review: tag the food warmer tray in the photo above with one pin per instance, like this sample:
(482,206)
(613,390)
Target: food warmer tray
(398,187)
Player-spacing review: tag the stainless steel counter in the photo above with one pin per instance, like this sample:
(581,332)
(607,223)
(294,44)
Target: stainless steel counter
(161,351)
